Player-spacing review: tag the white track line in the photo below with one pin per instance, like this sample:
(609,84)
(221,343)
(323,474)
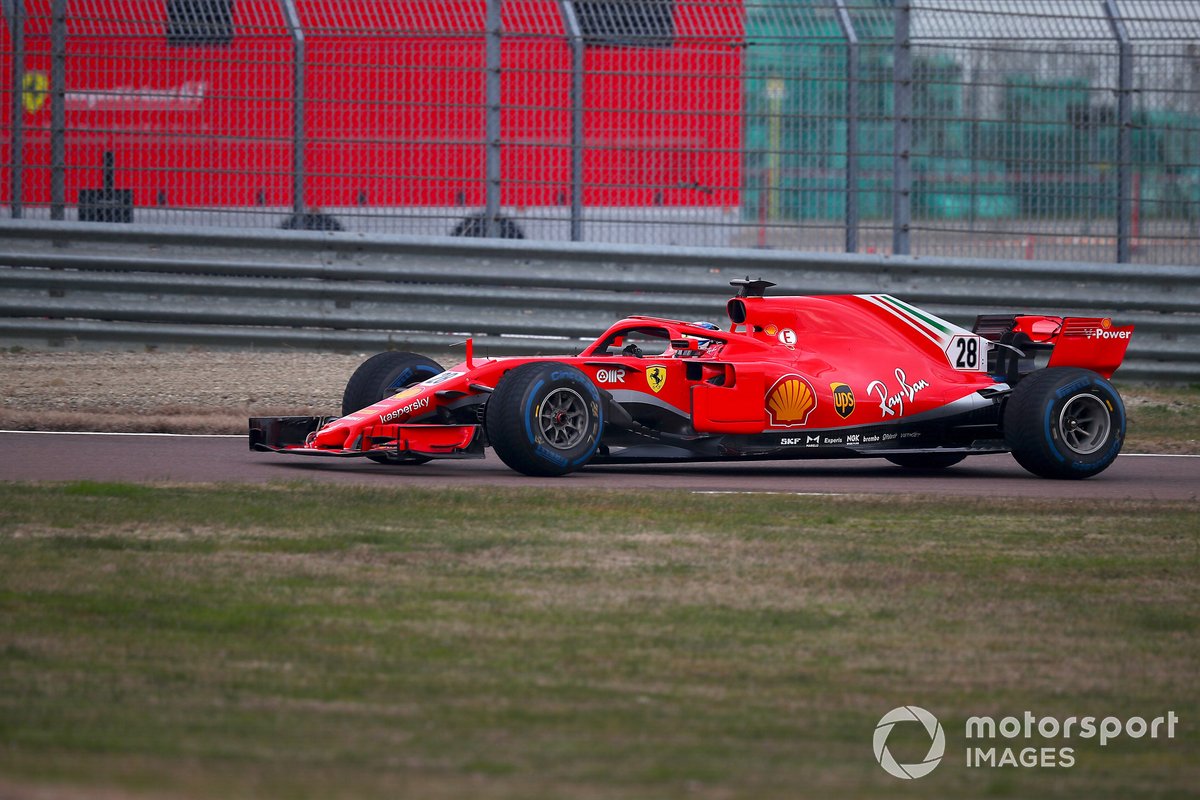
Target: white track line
(788,494)
(1158,455)
(117,433)
(243,436)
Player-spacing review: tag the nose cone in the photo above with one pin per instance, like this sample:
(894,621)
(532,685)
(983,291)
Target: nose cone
(336,435)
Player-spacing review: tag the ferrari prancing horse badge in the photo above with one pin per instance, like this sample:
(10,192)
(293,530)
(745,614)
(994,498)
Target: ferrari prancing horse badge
(656,376)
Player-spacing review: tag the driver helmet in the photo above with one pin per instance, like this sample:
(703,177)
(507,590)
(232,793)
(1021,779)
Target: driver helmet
(701,344)
(708,326)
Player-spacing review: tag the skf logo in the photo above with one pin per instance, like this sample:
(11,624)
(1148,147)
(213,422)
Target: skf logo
(656,376)
(843,399)
(790,401)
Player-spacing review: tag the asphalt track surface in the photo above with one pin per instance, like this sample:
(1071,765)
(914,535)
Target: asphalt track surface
(226,459)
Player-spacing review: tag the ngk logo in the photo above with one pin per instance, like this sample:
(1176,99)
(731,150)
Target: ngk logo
(610,376)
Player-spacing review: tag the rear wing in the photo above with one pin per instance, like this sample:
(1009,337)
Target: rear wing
(1090,342)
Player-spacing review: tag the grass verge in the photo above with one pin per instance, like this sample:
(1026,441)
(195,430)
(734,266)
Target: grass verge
(1162,419)
(320,641)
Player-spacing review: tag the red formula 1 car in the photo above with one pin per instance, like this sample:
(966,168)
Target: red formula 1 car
(841,376)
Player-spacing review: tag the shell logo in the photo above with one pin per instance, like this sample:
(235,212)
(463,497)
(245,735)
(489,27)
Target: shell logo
(790,401)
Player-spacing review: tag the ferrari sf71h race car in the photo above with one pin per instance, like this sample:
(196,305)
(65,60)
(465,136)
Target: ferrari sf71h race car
(840,376)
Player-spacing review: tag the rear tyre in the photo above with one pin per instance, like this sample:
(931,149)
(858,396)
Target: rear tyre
(384,375)
(926,461)
(1064,422)
(544,419)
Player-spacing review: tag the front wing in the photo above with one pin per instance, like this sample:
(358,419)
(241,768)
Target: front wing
(290,435)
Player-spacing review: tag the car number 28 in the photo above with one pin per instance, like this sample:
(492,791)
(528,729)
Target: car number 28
(967,353)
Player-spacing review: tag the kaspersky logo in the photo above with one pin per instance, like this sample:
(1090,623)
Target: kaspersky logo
(937,745)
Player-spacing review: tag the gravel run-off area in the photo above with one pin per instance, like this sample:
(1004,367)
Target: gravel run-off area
(197,391)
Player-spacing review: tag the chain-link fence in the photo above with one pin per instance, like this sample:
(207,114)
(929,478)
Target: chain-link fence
(996,128)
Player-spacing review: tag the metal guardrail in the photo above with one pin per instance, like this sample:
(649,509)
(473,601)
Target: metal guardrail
(987,128)
(321,290)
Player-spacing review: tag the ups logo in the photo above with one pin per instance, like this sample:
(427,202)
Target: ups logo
(843,399)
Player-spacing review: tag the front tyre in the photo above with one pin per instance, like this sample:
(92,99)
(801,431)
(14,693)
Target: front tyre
(1064,422)
(384,375)
(544,419)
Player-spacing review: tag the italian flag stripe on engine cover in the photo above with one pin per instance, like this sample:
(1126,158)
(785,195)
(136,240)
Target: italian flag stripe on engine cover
(934,328)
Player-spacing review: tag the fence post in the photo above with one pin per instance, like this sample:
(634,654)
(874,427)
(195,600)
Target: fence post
(15,11)
(299,101)
(847,25)
(58,109)
(492,116)
(1124,129)
(973,141)
(575,42)
(902,109)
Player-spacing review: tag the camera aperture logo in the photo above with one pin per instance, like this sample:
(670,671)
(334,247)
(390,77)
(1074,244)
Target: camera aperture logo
(937,745)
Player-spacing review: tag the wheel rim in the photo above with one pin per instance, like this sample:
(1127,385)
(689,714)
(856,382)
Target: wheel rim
(1085,423)
(563,419)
